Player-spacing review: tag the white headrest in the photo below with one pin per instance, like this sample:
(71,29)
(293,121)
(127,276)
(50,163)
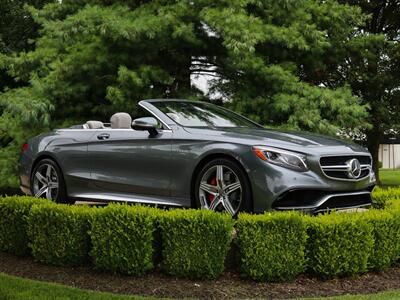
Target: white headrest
(173,116)
(121,121)
(95,124)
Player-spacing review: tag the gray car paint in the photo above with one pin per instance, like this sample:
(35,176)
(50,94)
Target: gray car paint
(133,166)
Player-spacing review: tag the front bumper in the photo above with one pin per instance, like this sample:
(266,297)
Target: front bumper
(278,188)
(323,200)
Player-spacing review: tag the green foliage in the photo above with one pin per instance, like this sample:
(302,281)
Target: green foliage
(339,244)
(395,210)
(370,64)
(195,242)
(264,55)
(59,233)
(17,30)
(381,197)
(385,232)
(272,245)
(122,238)
(14,212)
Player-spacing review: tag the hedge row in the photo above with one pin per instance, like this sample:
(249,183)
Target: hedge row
(194,243)
(382,196)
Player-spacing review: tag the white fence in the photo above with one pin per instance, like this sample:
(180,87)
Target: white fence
(389,155)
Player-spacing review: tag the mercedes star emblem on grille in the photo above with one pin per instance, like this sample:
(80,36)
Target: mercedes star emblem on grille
(353,168)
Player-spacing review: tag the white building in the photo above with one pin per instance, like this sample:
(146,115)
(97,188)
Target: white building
(389,153)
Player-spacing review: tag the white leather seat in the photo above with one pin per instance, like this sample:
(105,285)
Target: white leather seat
(94,125)
(121,121)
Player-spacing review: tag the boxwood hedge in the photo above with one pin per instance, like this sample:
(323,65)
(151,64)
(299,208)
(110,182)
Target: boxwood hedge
(385,231)
(395,211)
(59,233)
(272,245)
(195,242)
(123,238)
(382,196)
(14,211)
(339,244)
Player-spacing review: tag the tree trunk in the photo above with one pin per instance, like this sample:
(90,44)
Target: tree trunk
(373,141)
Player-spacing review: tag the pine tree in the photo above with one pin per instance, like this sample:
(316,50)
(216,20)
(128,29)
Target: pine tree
(93,58)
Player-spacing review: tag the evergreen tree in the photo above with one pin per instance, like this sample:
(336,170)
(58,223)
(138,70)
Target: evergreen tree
(95,57)
(369,62)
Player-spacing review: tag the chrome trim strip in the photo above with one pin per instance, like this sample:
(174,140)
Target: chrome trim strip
(143,200)
(343,208)
(322,201)
(154,114)
(107,129)
(342,167)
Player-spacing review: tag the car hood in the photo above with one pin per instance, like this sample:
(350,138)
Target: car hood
(292,140)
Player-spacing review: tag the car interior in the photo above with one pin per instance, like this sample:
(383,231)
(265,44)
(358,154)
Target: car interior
(121,120)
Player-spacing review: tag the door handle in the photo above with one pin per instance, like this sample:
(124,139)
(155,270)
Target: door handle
(103,136)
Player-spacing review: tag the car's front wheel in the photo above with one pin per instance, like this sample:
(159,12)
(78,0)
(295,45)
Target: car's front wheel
(47,181)
(222,185)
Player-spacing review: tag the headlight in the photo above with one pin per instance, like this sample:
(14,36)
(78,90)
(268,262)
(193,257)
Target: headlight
(284,158)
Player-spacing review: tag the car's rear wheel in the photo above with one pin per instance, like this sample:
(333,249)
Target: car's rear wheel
(222,185)
(47,181)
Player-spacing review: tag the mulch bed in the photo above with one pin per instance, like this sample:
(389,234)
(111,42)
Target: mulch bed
(228,286)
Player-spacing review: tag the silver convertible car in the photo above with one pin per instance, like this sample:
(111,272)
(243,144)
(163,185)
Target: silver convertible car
(195,154)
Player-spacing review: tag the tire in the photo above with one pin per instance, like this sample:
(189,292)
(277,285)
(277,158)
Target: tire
(47,181)
(209,193)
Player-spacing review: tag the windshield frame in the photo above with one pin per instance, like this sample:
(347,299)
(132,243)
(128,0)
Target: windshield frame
(154,102)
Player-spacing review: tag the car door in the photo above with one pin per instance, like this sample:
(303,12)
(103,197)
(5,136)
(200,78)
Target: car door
(127,161)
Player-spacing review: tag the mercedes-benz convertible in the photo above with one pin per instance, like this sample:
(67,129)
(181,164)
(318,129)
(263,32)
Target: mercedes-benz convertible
(196,154)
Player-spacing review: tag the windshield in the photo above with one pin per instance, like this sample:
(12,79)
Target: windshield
(201,114)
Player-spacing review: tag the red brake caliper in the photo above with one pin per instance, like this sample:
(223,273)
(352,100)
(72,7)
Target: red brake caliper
(213,181)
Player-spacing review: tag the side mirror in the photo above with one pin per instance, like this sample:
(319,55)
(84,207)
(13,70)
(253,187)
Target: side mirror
(147,123)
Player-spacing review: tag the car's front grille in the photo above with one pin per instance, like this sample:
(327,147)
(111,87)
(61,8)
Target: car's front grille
(345,168)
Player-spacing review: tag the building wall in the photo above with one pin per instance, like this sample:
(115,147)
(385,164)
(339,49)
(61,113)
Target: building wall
(389,155)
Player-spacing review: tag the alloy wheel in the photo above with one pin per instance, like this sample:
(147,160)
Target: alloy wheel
(46,182)
(220,190)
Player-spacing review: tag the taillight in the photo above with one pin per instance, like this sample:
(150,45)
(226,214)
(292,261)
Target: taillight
(24,148)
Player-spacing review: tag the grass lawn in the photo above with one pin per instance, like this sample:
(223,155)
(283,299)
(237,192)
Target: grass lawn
(380,296)
(14,288)
(389,177)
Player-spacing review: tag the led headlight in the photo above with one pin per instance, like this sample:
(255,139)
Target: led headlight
(284,158)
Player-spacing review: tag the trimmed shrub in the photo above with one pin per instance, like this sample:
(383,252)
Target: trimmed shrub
(395,211)
(122,238)
(195,242)
(339,244)
(384,251)
(59,233)
(13,223)
(381,197)
(272,245)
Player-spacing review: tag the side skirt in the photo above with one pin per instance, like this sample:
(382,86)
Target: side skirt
(176,202)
